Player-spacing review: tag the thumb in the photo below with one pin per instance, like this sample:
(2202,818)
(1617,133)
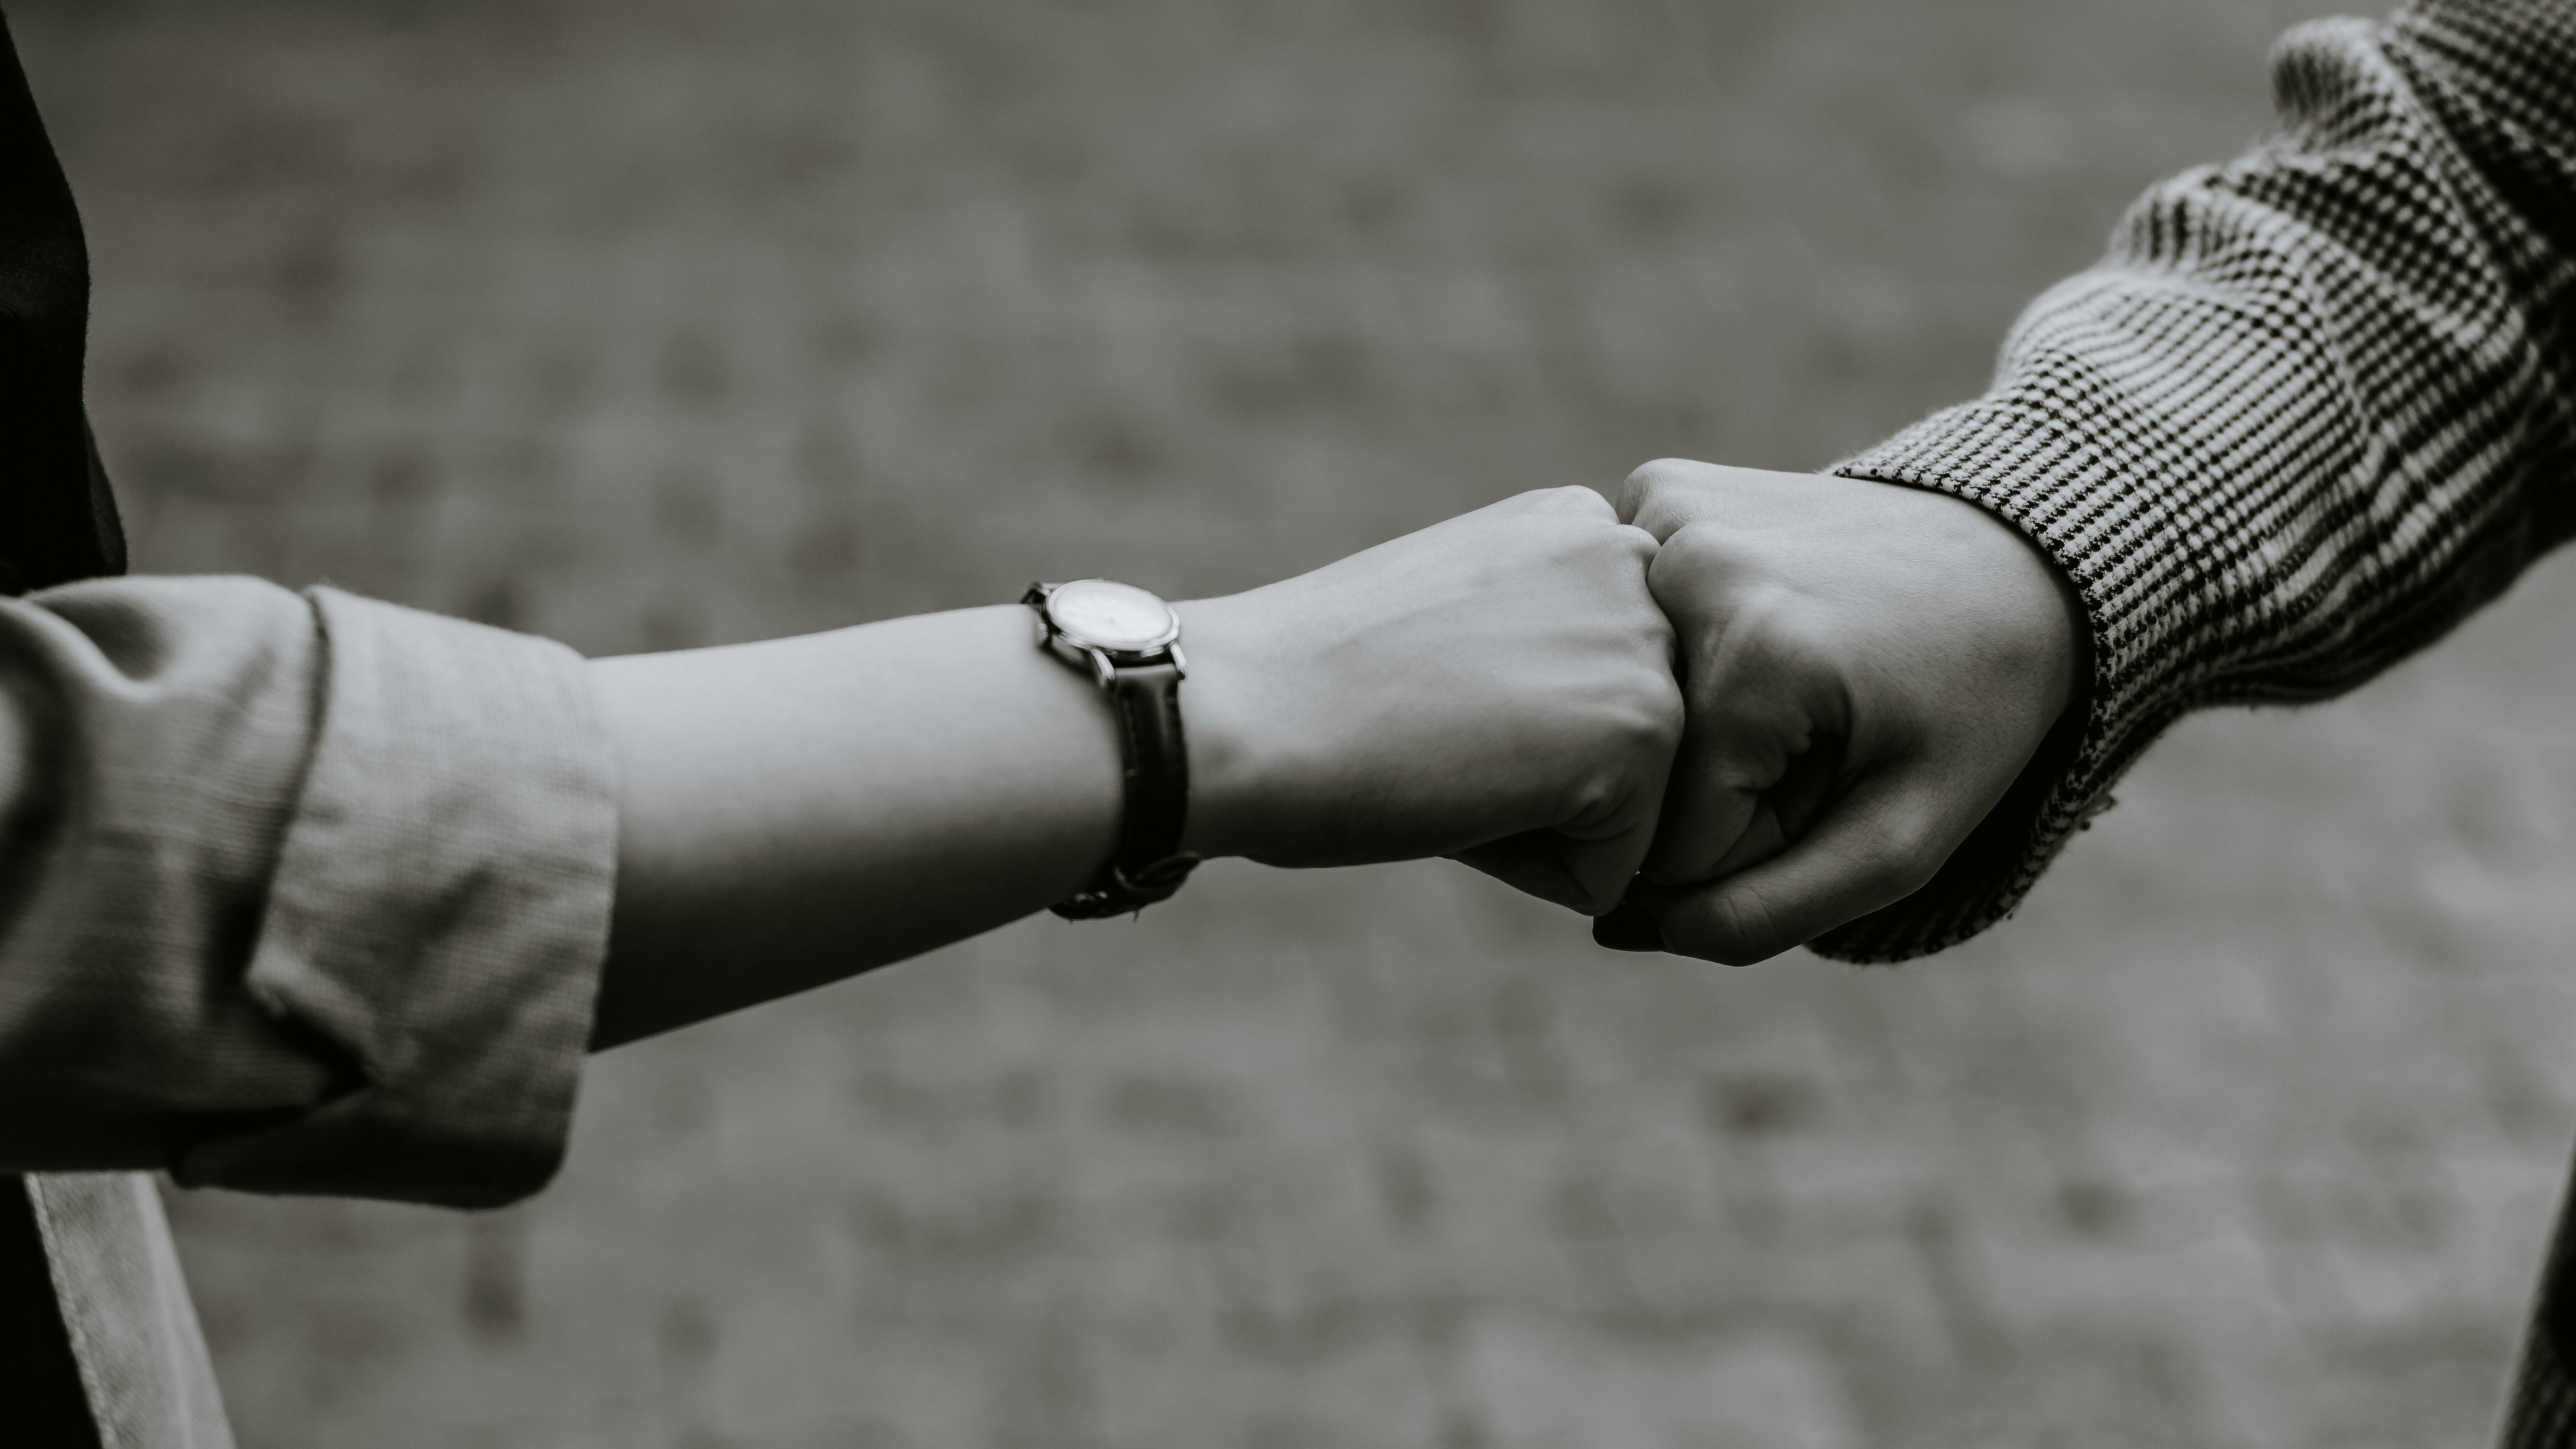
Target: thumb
(1880,842)
(1532,862)
(1585,866)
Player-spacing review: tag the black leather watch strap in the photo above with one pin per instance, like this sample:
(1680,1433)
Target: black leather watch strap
(1149,865)
(1148,698)
(1143,684)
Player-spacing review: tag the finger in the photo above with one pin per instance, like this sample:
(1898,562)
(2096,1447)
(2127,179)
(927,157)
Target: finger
(1530,863)
(1645,496)
(1877,844)
(1784,811)
(1604,868)
(1585,865)
(1715,805)
(1740,729)
(1754,763)
(1764,836)
(1604,849)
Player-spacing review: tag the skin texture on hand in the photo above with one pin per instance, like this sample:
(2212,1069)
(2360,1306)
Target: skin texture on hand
(1867,666)
(1497,687)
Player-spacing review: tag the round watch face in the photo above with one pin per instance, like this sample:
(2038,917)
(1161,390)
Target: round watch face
(1120,618)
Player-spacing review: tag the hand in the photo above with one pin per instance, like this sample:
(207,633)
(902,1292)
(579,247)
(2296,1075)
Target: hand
(1498,687)
(1868,667)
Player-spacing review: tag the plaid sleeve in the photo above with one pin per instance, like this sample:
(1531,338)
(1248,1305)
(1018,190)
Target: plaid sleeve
(2311,410)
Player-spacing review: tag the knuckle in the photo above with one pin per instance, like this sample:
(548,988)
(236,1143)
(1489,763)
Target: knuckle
(1576,498)
(1626,756)
(1680,576)
(1784,629)
(1638,703)
(1641,617)
(1657,472)
(1634,747)
(1618,562)
(1650,491)
(1636,545)
(1597,794)
(1905,854)
(1697,556)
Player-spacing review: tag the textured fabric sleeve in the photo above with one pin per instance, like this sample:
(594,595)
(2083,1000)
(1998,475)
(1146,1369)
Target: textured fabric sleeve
(298,893)
(2311,410)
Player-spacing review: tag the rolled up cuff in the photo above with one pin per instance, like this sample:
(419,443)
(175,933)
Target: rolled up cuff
(439,915)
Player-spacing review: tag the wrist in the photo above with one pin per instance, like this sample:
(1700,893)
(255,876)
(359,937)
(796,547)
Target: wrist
(2046,610)
(1222,709)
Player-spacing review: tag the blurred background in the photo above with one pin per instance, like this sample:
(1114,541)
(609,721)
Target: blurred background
(666,322)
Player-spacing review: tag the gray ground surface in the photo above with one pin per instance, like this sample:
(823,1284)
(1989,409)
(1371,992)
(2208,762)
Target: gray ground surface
(655,323)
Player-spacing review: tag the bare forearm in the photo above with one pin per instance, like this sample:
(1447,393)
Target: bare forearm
(804,809)
(798,811)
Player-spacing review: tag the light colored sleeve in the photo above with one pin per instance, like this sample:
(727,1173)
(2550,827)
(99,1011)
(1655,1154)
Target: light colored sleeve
(299,893)
(2316,406)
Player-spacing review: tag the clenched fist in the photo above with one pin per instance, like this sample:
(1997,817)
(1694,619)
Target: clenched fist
(1497,687)
(1867,667)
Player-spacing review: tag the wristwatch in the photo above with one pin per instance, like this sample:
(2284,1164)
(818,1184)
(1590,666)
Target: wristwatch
(1130,642)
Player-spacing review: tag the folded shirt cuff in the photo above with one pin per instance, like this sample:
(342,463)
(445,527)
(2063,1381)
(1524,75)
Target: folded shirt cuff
(439,914)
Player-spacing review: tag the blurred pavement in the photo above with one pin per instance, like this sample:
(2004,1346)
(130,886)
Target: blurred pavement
(659,323)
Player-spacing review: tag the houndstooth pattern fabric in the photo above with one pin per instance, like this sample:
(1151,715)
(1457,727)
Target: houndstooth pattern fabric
(2312,409)
(2542,1412)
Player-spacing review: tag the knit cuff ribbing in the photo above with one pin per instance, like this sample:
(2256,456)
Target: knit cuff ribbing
(2032,472)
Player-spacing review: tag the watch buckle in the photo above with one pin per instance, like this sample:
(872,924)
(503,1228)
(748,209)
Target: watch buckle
(1123,894)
